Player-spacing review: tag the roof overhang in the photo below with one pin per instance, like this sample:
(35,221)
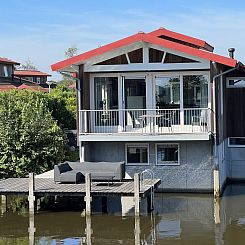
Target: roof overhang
(65,65)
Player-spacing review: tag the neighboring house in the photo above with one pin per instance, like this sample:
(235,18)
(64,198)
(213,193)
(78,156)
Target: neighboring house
(10,78)
(32,76)
(7,67)
(162,101)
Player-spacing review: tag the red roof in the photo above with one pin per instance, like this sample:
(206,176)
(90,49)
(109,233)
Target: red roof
(8,61)
(154,39)
(181,37)
(25,86)
(6,87)
(31,73)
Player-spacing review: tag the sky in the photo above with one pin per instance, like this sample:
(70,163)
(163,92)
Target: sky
(41,30)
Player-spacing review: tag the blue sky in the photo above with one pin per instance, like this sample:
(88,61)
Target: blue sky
(43,29)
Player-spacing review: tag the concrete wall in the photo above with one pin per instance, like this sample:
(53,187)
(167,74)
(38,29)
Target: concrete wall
(193,174)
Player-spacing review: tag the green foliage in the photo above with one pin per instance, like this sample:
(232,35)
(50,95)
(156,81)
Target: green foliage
(30,139)
(62,103)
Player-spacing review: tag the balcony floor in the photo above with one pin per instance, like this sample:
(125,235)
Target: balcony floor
(130,137)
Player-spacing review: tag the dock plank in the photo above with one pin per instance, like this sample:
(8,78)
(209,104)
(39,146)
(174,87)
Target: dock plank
(48,186)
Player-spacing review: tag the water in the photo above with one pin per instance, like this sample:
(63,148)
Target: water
(178,219)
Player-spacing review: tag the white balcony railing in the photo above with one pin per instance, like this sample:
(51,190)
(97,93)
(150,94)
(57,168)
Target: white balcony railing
(145,121)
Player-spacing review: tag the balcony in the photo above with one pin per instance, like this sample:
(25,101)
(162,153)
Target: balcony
(145,122)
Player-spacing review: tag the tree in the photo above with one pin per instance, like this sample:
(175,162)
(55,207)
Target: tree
(72,51)
(28,65)
(30,139)
(62,103)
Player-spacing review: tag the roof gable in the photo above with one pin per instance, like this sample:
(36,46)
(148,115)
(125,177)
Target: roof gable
(148,38)
(182,39)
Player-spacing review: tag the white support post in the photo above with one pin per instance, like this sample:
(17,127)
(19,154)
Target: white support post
(137,193)
(31,197)
(216,183)
(88,198)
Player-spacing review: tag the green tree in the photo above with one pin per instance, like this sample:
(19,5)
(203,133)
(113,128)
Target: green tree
(30,139)
(62,103)
(71,51)
(28,65)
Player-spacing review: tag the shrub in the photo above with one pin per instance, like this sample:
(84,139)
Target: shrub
(30,139)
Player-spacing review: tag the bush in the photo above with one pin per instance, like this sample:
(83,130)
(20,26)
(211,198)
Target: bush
(30,139)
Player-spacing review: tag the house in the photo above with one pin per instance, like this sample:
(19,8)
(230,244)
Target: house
(162,101)
(7,67)
(32,76)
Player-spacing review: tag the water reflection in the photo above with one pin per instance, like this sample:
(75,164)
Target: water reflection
(178,219)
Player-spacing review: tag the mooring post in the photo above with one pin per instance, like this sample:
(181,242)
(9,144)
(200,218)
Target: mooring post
(88,198)
(137,230)
(31,197)
(216,183)
(31,230)
(88,230)
(137,194)
(3,204)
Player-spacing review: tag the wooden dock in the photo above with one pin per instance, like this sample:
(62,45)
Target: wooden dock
(46,186)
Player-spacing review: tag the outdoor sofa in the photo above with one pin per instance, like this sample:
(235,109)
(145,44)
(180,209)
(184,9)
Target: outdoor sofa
(74,172)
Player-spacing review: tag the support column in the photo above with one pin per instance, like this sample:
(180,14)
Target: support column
(137,194)
(216,183)
(88,198)
(31,197)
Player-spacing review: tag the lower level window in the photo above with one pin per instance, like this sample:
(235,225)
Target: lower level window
(167,154)
(137,154)
(236,142)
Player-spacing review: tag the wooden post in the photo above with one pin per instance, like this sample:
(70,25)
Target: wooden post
(88,230)
(31,230)
(31,197)
(3,204)
(88,197)
(216,183)
(137,230)
(137,194)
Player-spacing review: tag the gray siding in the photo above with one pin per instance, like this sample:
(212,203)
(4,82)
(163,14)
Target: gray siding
(193,174)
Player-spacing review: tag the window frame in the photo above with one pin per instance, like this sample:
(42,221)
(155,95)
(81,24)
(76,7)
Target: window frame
(168,163)
(235,146)
(234,86)
(137,145)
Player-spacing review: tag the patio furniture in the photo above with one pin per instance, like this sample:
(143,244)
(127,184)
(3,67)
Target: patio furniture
(73,172)
(200,120)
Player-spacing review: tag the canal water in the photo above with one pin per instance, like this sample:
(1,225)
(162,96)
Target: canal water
(178,219)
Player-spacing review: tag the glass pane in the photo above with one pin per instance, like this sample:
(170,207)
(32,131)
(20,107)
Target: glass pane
(135,93)
(237,82)
(137,154)
(167,92)
(167,154)
(106,93)
(195,91)
(106,99)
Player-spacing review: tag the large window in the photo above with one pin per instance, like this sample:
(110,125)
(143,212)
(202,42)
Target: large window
(106,101)
(137,154)
(167,92)
(167,154)
(195,91)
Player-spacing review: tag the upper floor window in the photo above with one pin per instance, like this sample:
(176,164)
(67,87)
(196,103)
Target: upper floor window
(6,71)
(236,82)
